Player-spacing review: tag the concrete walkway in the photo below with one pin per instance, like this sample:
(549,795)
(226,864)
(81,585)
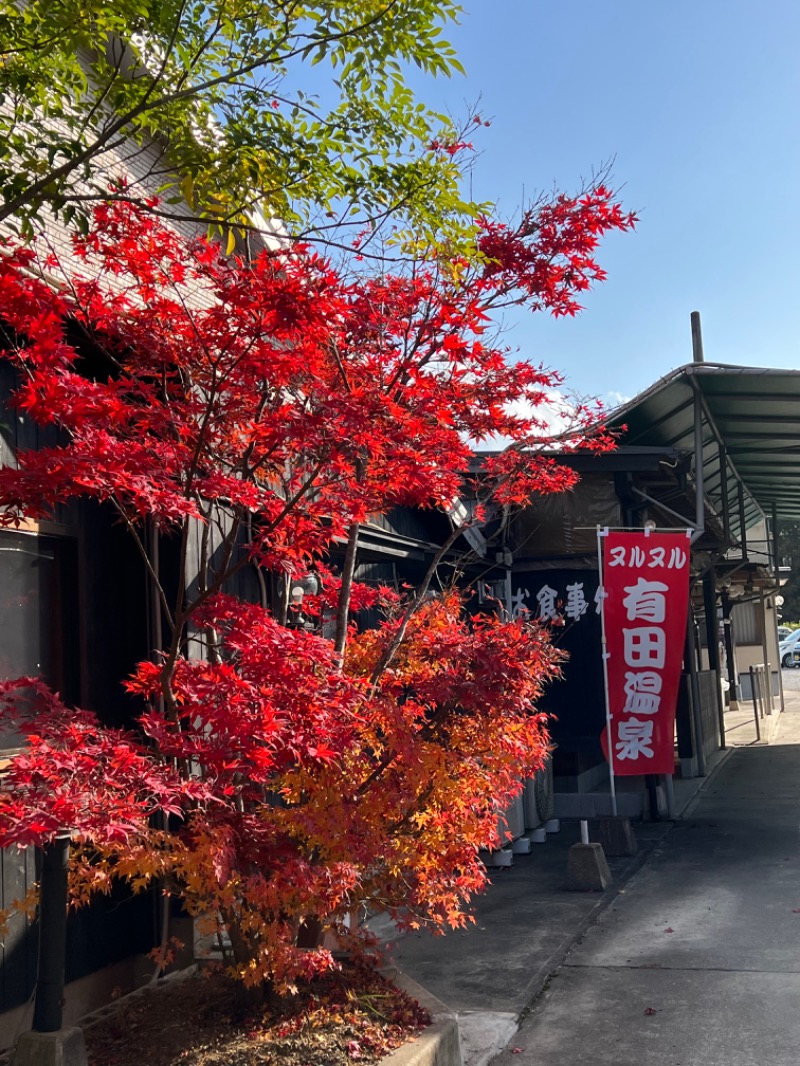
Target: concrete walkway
(697,962)
(691,959)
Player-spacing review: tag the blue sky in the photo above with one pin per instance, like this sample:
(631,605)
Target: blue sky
(697,103)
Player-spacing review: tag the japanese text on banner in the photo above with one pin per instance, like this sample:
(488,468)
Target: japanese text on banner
(645,602)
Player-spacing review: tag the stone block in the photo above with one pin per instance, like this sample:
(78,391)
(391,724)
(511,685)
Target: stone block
(615,834)
(587,869)
(63,1048)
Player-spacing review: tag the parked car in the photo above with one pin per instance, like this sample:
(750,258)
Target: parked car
(789,649)
(784,632)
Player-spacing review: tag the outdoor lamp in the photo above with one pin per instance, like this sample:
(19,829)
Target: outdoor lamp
(309,585)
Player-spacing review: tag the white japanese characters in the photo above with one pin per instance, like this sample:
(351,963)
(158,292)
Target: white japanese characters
(652,558)
(643,607)
(635,739)
(576,605)
(641,579)
(645,648)
(546,598)
(642,692)
(552,604)
(646,600)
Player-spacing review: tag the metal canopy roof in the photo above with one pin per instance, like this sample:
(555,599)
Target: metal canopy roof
(750,434)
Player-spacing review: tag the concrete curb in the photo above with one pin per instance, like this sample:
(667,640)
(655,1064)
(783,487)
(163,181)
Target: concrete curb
(439,1044)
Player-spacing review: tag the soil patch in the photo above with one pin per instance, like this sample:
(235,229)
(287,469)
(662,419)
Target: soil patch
(353,1015)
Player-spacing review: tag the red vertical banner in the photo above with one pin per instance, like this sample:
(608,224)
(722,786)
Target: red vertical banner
(645,602)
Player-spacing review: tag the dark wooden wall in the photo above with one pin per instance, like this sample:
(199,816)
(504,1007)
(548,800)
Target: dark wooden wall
(577,701)
(95,614)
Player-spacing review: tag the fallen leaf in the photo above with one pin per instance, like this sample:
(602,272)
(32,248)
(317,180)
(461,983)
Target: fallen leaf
(650,1010)
(669,929)
(517,1050)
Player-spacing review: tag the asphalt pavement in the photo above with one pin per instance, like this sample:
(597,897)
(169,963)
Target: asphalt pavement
(697,962)
(691,958)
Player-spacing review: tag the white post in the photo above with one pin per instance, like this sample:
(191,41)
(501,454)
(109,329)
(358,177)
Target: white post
(610,740)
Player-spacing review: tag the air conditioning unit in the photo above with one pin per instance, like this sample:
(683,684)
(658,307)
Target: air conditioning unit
(512,821)
(538,797)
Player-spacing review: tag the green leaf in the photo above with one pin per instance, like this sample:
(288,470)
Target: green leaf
(202,111)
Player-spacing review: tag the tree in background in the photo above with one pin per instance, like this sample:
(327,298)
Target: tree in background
(256,413)
(210,103)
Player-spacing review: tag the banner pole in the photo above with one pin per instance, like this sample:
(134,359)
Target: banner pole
(612,783)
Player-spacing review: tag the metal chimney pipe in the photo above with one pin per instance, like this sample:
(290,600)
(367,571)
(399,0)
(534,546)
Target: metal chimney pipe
(697,338)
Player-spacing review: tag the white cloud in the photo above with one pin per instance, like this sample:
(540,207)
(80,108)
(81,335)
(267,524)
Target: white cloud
(615,399)
(555,413)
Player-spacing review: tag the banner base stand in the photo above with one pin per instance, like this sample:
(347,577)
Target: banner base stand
(615,834)
(587,869)
(65,1047)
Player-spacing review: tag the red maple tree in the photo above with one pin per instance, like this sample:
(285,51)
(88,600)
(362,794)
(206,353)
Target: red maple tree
(257,413)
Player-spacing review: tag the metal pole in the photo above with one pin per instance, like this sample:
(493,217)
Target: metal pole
(697,714)
(699,487)
(670,793)
(47,1012)
(604,648)
(755,702)
(651,784)
(774,516)
(730,652)
(776,549)
(723,487)
(761,674)
(765,649)
(699,472)
(697,338)
(710,605)
(743,531)
(687,671)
